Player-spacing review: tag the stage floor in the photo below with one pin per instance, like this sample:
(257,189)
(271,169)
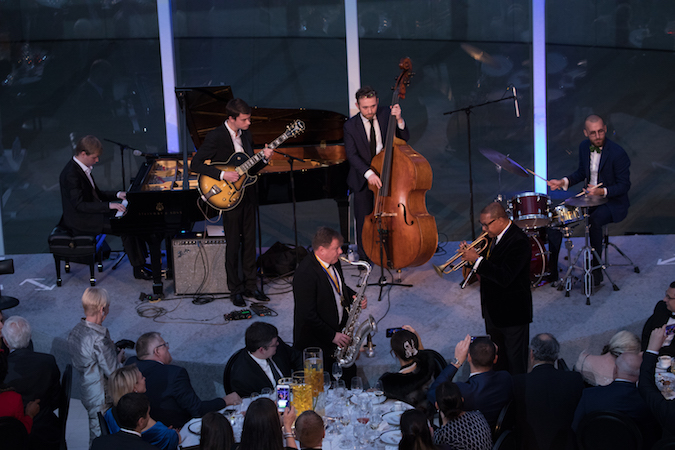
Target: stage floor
(436,307)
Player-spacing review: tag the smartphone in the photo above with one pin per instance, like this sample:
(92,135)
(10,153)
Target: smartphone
(283,396)
(391,331)
(473,338)
(670,329)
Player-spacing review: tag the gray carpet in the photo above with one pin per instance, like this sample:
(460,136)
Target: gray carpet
(437,308)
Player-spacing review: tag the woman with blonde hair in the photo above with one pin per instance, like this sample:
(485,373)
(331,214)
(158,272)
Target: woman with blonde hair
(598,370)
(129,379)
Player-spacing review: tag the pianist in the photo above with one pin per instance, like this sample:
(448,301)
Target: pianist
(239,223)
(87,210)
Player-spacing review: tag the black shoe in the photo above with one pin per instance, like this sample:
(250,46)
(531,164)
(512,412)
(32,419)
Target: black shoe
(141,273)
(238,300)
(257,294)
(597,277)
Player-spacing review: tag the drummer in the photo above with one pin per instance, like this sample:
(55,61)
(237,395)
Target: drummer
(606,167)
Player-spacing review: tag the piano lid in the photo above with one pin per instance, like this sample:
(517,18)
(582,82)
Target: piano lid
(205,110)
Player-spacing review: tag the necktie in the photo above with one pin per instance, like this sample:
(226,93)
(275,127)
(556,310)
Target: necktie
(275,373)
(491,248)
(373,139)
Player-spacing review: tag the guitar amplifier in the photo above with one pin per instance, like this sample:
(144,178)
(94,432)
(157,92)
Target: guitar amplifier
(199,264)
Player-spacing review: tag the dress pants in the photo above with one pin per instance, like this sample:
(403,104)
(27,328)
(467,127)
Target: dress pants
(363,205)
(239,226)
(512,345)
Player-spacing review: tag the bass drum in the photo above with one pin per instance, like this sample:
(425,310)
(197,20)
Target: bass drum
(539,264)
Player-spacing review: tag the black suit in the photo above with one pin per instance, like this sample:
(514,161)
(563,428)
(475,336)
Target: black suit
(357,148)
(506,298)
(545,400)
(36,376)
(663,410)
(658,319)
(121,440)
(86,210)
(173,401)
(238,223)
(246,375)
(315,316)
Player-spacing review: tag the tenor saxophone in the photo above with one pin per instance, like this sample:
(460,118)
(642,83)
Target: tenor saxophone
(346,356)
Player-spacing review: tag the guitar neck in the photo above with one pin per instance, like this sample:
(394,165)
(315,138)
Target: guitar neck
(255,159)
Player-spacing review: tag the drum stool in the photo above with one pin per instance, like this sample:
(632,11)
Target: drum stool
(78,249)
(606,244)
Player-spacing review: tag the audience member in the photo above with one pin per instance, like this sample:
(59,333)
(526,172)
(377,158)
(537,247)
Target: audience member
(216,432)
(418,369)
(11,404)
(546,398)
(415,431)
(664,314)
(309,430)
(36,377)
(621,395)
(262,428)
(487,390)
(461,429)
(662,409)
(171,395)
(94,355)
(133,413)
(598,370)
(265,360)
(128,379)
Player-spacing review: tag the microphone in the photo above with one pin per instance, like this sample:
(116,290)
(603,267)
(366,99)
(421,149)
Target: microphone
(147,155)
(515,102)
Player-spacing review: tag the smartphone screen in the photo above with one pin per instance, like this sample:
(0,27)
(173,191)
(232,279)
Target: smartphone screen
(670,329)
(391,331)
(283,396)
(473,338)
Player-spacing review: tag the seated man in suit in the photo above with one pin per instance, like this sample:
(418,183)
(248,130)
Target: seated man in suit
(171,395)
(486,390)
(309,430)
(36,377)
(664,314)
(621,395)
(265,359)
(87,210)
(663,410)
(133,415)
(546,398)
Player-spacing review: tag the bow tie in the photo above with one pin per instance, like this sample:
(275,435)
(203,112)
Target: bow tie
(595,149)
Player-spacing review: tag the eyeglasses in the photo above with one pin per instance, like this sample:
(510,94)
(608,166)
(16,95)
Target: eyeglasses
(487,225)
(166,344)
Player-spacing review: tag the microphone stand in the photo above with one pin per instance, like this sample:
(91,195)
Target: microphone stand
(291,159)
(467,110)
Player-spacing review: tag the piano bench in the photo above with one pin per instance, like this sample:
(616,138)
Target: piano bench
(77,249)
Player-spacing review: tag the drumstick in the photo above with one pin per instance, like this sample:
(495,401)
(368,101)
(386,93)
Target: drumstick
(583,192)
(535,174)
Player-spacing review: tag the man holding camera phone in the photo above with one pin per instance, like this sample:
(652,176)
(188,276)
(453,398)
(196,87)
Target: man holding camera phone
(664,314)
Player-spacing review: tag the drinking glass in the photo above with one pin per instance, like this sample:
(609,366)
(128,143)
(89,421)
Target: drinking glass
(313,365)
(378,390)
(337,371)
(326,381)
(267,392)
(357,385)
(302,392)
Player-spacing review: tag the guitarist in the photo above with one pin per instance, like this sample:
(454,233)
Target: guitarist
(239,223)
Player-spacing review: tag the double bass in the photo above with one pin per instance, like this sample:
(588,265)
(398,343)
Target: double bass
(400,232)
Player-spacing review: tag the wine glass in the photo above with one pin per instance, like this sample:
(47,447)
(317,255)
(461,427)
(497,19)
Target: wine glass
(337,371)
(357,385)
(340,388)
(326,381)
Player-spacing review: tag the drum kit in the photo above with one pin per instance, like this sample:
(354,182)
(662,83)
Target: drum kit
(532,212)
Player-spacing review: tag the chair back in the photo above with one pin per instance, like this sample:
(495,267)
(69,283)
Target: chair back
(600,430)
(562,365)
(227,373)
(505,421)
(64,402)
(103,424)
(13,434)
(506,441)
(441,363)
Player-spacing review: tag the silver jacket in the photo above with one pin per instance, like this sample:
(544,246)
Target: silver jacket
(94,355)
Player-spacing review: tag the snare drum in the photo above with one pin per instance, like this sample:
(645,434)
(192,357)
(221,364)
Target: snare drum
(564,215)
(530,210)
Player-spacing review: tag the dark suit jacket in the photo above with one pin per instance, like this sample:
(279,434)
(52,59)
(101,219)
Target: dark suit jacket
(505,280)
(487,392)
(315,316)
(121,440)
(81,210)
(173,401)
(246,376)
(663,410)
(36,376)
(658,319)
(357,146)
(613,173)
(412,387)
(621,396)
(546,399)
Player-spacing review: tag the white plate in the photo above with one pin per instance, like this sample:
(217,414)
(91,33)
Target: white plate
(374,399)
(195,427)
(393,418)
(392,437)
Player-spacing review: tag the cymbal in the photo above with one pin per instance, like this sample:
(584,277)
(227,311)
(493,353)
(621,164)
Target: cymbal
(505,162)
(586,201)
(480,55)
(7,302)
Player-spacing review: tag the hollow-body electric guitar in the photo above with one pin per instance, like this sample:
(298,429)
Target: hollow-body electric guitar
(226,195)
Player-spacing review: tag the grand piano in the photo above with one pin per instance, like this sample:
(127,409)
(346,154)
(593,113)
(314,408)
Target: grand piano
(161,207)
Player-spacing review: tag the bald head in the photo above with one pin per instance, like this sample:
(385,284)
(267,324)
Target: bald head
(495,210)
(594,119)
(309,429)
(628,366)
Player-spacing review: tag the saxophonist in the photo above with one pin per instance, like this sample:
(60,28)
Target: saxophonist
(321,300)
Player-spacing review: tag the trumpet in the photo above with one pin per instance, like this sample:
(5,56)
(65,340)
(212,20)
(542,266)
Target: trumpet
(479,245)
